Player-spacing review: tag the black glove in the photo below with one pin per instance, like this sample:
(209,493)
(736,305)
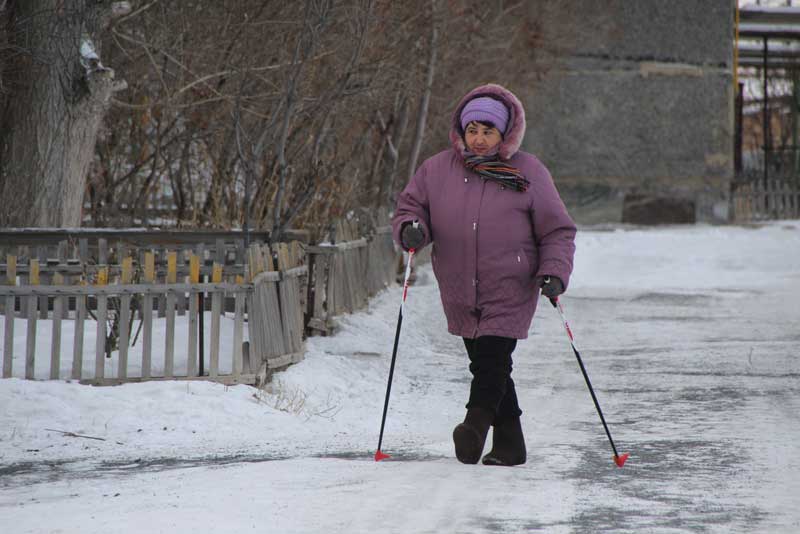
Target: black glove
(552,286)
(411,236)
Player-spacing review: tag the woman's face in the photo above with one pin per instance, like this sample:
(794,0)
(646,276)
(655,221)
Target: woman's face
(481,139)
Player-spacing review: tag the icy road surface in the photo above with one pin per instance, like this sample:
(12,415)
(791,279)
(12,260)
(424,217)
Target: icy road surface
(691,337)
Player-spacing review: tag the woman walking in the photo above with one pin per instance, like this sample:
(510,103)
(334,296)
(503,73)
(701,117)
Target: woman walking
(500,234)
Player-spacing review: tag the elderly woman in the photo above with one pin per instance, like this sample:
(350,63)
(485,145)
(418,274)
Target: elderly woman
(500,234)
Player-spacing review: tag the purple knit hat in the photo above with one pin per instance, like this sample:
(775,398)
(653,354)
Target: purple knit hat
(486,109)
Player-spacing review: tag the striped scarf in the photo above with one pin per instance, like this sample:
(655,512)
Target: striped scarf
(491,168)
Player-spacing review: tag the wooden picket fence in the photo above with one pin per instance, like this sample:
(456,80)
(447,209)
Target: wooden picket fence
(34,299)
(276,304)
(90,240)
(262,300)
(93,295)
(84,255)
(345,275)
(755,200)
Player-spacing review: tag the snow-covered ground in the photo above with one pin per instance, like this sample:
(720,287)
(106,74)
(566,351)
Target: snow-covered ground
(691,336)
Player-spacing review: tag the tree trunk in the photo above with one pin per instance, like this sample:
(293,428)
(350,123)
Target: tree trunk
(59,92)
(422,116)
(386,190)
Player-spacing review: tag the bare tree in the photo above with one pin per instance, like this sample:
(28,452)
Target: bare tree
(276,114)
(56,93)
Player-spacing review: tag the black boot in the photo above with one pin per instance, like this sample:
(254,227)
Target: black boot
(470,436)
(508,444)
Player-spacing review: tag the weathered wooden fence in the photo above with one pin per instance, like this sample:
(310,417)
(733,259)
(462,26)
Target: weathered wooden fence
(83,255)
(132,237)
(114,307)
(755,200)
(276,328)
(260,302)
(343,276)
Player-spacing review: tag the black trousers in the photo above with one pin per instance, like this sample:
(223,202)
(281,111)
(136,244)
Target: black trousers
(492,387)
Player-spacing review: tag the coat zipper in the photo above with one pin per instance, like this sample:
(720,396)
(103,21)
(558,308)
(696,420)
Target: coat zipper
(475,280)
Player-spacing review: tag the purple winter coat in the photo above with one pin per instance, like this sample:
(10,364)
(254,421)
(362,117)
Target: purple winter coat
(490,243)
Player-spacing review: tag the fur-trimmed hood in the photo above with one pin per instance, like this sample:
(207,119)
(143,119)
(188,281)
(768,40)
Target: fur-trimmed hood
(512,139)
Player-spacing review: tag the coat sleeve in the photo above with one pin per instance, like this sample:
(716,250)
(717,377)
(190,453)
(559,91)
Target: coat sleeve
(553,229)
(413,204)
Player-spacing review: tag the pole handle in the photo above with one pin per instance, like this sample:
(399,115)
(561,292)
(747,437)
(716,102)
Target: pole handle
(553,300)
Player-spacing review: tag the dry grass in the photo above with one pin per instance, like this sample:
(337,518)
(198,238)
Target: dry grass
(293,400)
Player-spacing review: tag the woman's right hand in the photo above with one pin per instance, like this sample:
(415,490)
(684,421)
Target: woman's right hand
(411,236)
(552,286)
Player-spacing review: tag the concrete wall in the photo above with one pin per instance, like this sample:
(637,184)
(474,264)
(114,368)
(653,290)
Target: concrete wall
(638,99)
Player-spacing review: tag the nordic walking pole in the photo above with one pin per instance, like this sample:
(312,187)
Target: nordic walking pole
(378,454)
(618,459)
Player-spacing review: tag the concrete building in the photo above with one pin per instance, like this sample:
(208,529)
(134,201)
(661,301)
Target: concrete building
(637,105)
